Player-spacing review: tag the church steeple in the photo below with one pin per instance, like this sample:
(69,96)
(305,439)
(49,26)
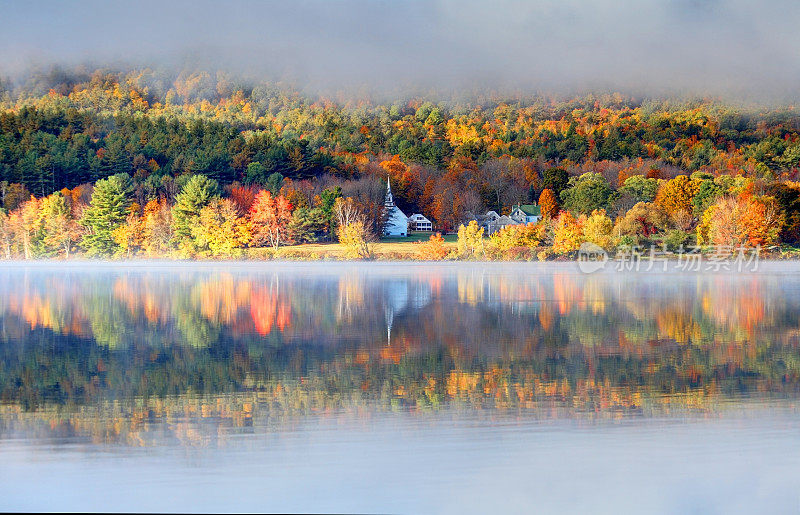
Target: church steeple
(389,203)
(396,222)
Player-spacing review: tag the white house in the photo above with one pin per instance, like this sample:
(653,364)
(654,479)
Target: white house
(418,222)
(526,213)
(520,214)
(396,221)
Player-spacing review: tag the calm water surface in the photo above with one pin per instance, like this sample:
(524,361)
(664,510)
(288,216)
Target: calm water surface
(398,388)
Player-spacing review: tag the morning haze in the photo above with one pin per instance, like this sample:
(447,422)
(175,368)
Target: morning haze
(728,48)
(367,256)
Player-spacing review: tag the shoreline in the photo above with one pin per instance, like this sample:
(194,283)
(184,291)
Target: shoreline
(392,251)
(610,266)
(705,255)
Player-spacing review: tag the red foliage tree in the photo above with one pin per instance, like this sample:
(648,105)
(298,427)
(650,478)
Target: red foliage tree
(270,218)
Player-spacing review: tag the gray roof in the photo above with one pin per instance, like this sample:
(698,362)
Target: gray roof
(505,220)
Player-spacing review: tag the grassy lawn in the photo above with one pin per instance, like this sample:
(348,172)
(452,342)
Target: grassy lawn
(386,248)
(420,236)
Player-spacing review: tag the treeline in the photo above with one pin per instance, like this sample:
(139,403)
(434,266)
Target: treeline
(104,220)
(199,123)
(721,214)
(193,216)
(452,161)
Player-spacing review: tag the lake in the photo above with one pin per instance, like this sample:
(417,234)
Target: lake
(398,387)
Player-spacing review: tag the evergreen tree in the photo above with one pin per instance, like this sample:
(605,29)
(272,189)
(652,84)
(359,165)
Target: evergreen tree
(195,195)
(274,183)
(107,211)
(256,173)
(555,179)
(327,202)
(306,224)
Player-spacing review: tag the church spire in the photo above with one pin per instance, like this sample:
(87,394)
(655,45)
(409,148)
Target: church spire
(389,199)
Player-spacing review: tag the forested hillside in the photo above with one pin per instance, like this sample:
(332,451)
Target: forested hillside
(449,159)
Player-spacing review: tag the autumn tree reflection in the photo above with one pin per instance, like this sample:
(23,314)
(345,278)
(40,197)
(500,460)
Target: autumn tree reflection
(239,345)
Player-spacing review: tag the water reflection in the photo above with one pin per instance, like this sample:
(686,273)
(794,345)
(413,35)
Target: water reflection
(142,356)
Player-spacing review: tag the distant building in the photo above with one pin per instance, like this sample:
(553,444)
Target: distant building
(526,213)
(418,222)
(520,214)
(500,223)
(487,219)
(396,221)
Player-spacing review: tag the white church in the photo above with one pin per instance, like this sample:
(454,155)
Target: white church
(396,221)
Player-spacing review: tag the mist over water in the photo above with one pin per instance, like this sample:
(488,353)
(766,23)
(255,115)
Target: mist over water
(732,48)
(402,387)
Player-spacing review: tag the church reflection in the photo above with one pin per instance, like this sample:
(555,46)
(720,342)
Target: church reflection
(422,338)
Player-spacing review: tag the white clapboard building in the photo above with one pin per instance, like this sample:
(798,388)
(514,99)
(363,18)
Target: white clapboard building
(396,221)
(418,222)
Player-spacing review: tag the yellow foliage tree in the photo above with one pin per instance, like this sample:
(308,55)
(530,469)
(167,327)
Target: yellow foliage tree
(25,223)
(6,234)
(641,222)
(128,235)
(567,233)
(509,237)
(220,231)
(356,240)
(704,227)
(598,228)
(60,230)
(470,240)
(675,196)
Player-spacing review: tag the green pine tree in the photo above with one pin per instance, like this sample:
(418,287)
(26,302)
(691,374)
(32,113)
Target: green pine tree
(107,210)
(194,196)
(306,224)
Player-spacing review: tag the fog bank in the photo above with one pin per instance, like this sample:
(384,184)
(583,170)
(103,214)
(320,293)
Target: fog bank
(711,47)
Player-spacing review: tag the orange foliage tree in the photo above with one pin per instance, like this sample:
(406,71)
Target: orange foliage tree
(548,204)
(434,248)
(567,233)
(157,228)
(128,235)
(242,196)
(270,218)
(744,220)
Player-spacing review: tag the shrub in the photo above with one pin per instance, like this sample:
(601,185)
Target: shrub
(433,249)
(356,240)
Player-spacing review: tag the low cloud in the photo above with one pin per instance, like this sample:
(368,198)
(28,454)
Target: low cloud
(656,47)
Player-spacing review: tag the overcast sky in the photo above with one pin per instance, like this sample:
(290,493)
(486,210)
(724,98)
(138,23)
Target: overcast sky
(743,47)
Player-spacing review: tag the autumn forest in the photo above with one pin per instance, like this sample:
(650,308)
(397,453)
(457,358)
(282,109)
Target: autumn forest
(141,163)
